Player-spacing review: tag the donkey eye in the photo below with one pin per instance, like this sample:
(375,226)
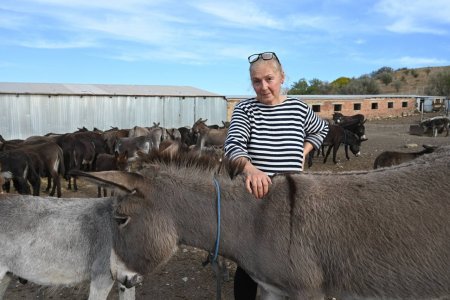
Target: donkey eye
(122,220)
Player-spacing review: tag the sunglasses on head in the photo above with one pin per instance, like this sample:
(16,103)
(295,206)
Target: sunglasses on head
(265,56)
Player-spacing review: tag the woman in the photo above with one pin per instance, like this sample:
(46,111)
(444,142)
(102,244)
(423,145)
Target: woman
(271,133)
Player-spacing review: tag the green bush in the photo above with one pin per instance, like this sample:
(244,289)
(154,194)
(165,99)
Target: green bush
(439,84)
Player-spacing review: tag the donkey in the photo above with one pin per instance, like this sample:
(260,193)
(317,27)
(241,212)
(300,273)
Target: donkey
(108,162)
(111,135)
(436,125)
(47,158)
(80,148)
(391,158)
(134,144)
(357,128)
(55,241)
(208,136)
(156,134)
(335,137)
(375,234)
(339,118)
(21,167)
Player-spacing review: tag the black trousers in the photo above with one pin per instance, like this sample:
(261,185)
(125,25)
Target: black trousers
(244,286)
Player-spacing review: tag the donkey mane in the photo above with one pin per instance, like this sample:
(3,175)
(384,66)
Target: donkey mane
(192,160)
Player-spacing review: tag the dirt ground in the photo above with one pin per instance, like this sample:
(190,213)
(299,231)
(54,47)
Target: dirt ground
(184,277)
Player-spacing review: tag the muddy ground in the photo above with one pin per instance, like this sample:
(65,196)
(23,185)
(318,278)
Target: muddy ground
(184,277)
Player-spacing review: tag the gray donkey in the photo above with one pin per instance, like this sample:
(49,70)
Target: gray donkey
(375,234)
(64,242)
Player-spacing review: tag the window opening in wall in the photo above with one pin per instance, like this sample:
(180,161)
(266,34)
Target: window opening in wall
(404,104)
(375,105)
(356,106)
(337,107)
(390,104)
(316,108)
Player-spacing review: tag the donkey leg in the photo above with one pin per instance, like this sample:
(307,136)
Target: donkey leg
(35,182)
(331,147)
(346,152)
(21,186)
(56,184)
(7,186)
(100,287)
(335,150)
(69,182)
(266,295)
(126,294)
(49,183)
(5,279)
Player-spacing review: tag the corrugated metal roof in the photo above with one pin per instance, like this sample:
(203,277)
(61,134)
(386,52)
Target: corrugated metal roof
(101,89)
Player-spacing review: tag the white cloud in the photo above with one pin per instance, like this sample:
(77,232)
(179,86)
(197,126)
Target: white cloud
(421,61)
(113,5)
(408,61)
(40,43)
(416,16)
(239,14)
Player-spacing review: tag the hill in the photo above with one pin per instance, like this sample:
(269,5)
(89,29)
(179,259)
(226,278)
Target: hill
(410,81)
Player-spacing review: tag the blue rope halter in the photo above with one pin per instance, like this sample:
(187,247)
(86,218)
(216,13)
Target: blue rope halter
(213,257)
(216,247)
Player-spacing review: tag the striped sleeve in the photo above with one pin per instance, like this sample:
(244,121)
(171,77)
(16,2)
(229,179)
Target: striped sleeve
(316,129)
(238,134)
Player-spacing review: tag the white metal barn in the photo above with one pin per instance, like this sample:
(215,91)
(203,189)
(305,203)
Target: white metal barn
(28,109)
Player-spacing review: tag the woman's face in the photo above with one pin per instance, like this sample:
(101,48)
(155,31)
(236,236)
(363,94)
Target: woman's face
(267,78)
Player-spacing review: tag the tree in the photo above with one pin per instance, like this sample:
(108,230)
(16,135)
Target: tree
(382,70)
(313,87)
(299,88)
(439,84)
(340,82)
(364,85)
(319,87)
(385,77)
(397,85)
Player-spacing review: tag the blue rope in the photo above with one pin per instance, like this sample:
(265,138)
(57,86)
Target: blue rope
(216,247)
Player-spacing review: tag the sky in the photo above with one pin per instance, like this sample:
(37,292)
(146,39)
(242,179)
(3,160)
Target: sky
(205,44)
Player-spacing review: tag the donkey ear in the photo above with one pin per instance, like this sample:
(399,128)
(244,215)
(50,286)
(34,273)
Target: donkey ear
(127,182)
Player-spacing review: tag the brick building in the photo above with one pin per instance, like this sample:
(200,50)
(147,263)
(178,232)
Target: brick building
(371,106)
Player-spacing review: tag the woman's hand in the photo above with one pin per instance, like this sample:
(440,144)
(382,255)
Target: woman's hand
(256,181)
(307,148)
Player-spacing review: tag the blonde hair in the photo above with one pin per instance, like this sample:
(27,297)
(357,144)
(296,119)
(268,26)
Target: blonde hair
(277,64)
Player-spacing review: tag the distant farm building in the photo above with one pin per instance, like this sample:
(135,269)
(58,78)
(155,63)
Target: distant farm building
(28,109)
(371,106)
